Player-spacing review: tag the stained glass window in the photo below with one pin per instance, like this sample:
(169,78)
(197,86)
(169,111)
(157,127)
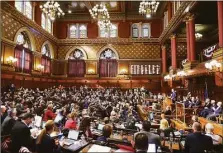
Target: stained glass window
(82,31)
(73,31)
(145,30)
(25,7)
(135,31)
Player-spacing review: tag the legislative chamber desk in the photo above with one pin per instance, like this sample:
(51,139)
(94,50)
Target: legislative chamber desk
(180,125)
(218,128)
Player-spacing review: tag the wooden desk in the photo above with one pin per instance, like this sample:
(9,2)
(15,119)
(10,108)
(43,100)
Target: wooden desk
(119,137)
(143,115)
(180,125)
(218,128)
(86,149)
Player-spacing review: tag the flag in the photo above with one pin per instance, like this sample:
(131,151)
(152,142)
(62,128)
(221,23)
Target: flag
(206,91)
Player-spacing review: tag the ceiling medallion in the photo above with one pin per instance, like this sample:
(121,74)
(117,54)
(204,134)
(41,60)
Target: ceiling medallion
(52,9)
(148,7)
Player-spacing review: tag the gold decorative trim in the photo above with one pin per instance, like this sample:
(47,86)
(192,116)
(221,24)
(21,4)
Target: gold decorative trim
(7,41)
(176,20)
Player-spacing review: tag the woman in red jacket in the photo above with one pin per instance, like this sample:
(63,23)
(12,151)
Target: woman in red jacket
(49,115)
(71,122)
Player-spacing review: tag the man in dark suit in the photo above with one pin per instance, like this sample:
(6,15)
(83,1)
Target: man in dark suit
(197,142)
(21,136)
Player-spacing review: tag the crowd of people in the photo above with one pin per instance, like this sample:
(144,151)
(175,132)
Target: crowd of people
(69,108)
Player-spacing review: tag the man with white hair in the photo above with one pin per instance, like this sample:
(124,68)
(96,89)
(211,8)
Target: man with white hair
(209,128)
(3,113)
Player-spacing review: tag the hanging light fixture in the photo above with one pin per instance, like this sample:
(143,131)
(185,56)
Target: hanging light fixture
(52,9)
(148,8)
(100,13)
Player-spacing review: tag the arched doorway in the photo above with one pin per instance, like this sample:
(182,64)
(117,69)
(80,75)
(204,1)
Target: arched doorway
(76,63)
(108,64)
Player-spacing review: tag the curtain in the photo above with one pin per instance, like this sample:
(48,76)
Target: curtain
(76,68)
(46,62)
(108,67)
(18,55)
(27,60)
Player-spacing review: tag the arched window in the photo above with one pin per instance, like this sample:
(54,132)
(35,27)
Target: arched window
(46,23)
(82,31)
(112,32)
(108,64)
(43,21)
(145,30)
(23,53)
(46,59)
(25,7)
(73,31)
(76,64)
(135,31)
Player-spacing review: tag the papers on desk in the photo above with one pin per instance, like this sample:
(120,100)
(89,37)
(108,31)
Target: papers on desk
(151,148)
(122,150)
(139,126)
(97,148)
(38,121)
(177,133)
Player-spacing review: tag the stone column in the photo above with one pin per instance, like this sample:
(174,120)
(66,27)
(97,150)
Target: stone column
(173,52)
(164,67)
(192,38)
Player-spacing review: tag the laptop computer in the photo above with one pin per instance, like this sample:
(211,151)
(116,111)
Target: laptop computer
(72,137)
(151,148)
(100,127)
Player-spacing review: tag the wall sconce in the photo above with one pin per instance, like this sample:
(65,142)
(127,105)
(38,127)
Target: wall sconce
(40,67)
(181,74)
(123,71)
(167,77)
(213,66)
(91,71)
(11,60)
(198,36)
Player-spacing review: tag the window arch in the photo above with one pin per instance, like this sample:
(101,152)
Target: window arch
(23,53)
(108,54)
(145,30)
(76,63)
(25,7)
(82,31)
(135,31)
(108,64)
(73,31)
(112,32)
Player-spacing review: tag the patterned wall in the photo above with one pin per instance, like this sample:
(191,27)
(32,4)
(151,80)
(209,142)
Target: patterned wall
(130,51)
(10,26)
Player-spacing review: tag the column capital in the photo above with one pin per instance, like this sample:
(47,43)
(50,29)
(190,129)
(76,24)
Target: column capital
(163,47)
(173,36)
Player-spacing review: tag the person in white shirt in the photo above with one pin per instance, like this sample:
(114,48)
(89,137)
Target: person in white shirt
(209,128)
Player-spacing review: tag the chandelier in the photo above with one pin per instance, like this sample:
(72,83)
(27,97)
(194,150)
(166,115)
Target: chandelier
(148,8)
(52,9)
(100,13)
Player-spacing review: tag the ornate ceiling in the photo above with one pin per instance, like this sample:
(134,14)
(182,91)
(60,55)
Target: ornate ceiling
(118,10)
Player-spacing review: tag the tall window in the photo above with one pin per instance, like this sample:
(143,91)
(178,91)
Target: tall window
(73,31)
(46,23)
(76,64)
(82,31)
(23,53)
(46,59)
(77,31)
(145,30)
(25,7)
(108,64)
(112,32)
(135,31)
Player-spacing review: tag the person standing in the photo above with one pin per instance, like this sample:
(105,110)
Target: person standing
(198,142)
(20,135)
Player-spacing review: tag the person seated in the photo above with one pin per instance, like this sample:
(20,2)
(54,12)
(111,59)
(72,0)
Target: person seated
(216,111)
(85,127)
(168,132)
(168,111)
(197,142)
(194,119)
(209,129)
(49,115)
(106,133)
(197,102)
(44,143)
(71,122)
(141,143)
(152,138)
